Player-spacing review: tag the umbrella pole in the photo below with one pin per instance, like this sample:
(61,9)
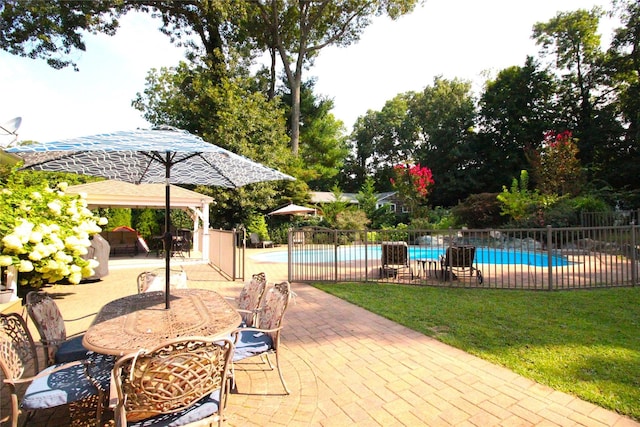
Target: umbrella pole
(168,242)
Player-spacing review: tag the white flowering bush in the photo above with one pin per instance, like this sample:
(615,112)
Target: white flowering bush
(44,233)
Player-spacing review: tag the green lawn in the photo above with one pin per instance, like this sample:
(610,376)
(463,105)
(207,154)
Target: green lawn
(586,343)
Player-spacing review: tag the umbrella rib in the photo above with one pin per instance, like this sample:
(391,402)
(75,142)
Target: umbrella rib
(221,173)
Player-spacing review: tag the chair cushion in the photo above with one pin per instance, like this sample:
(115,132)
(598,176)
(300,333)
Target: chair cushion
(251,343)
(71,350)
(99,369)
(58,388)
(198,411)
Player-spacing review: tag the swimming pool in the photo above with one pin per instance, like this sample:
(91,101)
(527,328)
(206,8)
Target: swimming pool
(356,253)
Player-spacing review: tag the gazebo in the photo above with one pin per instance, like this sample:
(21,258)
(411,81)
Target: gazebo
(119,194)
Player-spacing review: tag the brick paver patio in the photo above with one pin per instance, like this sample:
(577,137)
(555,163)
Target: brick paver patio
(346,366)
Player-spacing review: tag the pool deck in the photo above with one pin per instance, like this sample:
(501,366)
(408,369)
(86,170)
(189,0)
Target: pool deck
(347,366)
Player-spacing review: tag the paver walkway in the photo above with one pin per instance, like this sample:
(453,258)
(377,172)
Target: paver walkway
(347,366)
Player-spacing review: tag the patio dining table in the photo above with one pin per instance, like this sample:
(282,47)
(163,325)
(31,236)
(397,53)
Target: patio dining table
(141,321)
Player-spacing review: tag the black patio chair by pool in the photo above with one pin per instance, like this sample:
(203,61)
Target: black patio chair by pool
(394,258)
(458,261)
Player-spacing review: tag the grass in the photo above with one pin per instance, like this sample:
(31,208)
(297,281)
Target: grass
(585,343)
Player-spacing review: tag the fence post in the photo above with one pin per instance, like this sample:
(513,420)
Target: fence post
(366,255)
(634,265)
(290,253)
(549,257)
(335,256)
(234,260)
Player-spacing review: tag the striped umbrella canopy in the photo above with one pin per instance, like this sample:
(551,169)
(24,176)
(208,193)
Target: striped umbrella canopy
(162,154)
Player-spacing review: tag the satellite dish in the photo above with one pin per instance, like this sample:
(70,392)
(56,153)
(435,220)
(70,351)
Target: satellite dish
(9,129)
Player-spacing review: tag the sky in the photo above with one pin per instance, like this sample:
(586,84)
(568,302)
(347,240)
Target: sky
(465,39)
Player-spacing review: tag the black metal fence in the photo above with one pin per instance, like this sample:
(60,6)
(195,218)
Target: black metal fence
(540,259)
(607,219)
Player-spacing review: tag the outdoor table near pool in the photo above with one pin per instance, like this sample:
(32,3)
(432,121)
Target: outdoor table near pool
(140,321)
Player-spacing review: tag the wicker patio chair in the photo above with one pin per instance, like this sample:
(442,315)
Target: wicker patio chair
(181,382)
(57,385)
(45,314)
(248,302)
(458,261)
(264,339)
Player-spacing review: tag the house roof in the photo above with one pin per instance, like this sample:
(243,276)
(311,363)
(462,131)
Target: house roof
(382,196)
(112,193)
(328,197)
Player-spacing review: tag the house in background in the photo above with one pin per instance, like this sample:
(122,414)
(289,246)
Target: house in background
(320,197)
(389,198)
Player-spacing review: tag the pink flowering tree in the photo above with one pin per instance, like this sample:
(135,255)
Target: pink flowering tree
(413,184)
(558,169)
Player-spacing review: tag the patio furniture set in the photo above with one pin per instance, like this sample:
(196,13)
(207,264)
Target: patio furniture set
(147,364)
(457,261)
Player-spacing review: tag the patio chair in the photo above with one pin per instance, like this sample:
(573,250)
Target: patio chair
(248,303)
(297,238)
(177,383)
(264,339)
(154,280)
(182,243)
(458,261)
(57,385)
(256,242)
(394,257)
(46,316)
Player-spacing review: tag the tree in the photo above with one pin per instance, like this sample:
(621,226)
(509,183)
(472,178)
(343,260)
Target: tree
(359,164)
(413,184)
(298,30)
(573,39)
(325,149)
(558,168)
(444,115)
(380,140)
(619,162)
(52,30)
(228,113)
(333,210)
(366,198)
(518,202)
(516,109)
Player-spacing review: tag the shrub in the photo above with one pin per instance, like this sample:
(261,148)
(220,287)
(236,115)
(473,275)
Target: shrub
(146,223)
(118,217)
(479,211)
(257,224)
(44,234)
(351,219)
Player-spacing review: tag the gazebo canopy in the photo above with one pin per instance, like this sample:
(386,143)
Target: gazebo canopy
(119,194)
(111,193)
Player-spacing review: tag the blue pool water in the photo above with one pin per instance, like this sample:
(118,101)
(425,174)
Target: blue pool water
(354,253)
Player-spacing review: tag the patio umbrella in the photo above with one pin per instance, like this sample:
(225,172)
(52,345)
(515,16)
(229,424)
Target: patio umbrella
(292,209)
(163,154)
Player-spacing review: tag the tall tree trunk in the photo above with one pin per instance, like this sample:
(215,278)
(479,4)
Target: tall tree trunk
(295,116)
(272,85)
